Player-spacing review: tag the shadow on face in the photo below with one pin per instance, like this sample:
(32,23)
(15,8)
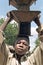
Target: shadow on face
(21,46)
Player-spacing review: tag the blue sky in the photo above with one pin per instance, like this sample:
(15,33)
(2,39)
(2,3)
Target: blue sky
(4,8)
(38,7)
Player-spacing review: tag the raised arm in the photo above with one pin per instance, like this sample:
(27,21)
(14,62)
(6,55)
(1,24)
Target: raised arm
(40,35)
(6,21)
(3,26)
(3,47)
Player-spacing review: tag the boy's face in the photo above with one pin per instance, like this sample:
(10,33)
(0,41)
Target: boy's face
(21,47)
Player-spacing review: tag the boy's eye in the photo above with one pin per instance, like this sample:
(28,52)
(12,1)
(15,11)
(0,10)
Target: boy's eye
(25,44)
(19,42)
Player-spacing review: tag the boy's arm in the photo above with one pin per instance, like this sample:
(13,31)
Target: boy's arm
(3,48)
(6,21)
(3,26)
(40,35)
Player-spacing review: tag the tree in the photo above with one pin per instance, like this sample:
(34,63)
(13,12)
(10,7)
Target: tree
(1,21)
(10,32)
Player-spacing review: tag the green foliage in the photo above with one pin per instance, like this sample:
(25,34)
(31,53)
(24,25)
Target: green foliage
(1,21)
(11,32)
(37,42)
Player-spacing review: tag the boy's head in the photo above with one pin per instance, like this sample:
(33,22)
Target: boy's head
(21,45)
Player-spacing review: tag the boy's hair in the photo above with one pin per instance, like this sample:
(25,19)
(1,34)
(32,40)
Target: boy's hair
(21,38)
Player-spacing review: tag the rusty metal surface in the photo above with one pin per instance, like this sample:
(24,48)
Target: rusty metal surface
(17,3)
(24,16)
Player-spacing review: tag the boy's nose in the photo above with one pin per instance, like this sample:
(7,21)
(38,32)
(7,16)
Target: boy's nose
(21,44)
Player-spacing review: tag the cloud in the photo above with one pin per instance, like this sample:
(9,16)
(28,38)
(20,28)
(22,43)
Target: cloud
(1,17)
(13,21)
(33,31)
(33,38)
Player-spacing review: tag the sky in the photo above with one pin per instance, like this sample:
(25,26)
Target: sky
(38,6)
